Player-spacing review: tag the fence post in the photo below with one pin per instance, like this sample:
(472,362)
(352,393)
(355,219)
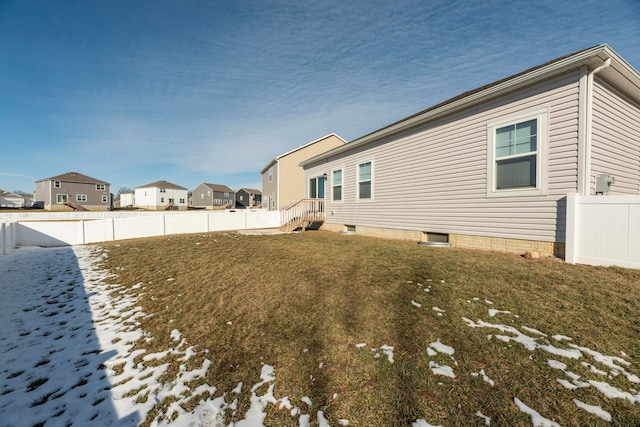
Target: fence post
(3,239)
(570,233)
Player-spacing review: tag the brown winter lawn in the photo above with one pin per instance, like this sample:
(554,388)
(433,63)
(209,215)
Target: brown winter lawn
(302,302)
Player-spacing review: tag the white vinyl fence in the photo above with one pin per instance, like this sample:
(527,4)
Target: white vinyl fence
(603,230)
(7,236)
(49,233)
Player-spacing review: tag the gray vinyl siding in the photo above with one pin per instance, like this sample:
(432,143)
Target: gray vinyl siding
(202,196)
(270,188)
(616,139)
(46,192)
(434,178)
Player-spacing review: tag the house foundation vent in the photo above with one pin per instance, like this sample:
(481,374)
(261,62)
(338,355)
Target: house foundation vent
(434,239)
(349,229)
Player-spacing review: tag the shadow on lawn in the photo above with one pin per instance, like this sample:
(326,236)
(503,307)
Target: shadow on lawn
(51,365)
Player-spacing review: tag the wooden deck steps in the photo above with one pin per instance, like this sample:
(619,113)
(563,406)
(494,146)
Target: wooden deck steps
(75,206)
(301,214)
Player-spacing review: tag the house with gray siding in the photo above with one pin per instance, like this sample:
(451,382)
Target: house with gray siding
(492,167)
(248,198)
(72,191)
(213,196)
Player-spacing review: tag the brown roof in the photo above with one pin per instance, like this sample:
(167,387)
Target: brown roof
(252,191)
(74,177)
(163,184)
(218,187)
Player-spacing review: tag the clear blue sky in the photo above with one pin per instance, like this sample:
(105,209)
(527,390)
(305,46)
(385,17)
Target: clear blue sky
(132,91)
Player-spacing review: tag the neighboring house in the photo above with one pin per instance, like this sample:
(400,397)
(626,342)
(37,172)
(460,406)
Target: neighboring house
(282,178)
(73,191)
(13,200)
(161,195)
(127,199)
(491,168)
(213,196)
(248,198)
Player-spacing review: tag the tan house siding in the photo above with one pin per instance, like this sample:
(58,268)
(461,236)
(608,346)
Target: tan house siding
(291,175)
(616,139)
(288,183)
(433,178)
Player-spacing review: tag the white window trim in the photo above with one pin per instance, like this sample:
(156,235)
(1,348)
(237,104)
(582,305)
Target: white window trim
(542,117)
(100,187)
(105,199)
(340,168)
(57,184)
(358,199)
(81,198)
(270,174)
(59,200)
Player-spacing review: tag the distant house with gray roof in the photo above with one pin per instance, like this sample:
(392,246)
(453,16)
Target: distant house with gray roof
(161,195)
(213,196)
(73,191)
(248,198)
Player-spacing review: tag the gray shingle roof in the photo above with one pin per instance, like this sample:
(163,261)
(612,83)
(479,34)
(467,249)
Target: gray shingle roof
(163,184)
(74,177)
(219,188)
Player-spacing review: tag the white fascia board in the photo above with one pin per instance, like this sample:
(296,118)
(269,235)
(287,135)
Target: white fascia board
(277,158)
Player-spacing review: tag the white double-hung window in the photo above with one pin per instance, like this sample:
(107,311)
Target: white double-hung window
(365,180)
(336,185)
(517,156)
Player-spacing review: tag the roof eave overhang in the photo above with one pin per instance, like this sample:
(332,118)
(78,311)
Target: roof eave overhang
(271,163)
(593,57)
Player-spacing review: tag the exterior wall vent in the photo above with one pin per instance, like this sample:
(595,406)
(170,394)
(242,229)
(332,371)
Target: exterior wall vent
(349,229)
(434,239)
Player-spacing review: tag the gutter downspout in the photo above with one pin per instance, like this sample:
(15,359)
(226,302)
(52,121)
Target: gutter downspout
(589,131)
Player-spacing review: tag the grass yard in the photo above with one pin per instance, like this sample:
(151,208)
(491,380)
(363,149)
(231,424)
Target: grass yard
(308,303)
